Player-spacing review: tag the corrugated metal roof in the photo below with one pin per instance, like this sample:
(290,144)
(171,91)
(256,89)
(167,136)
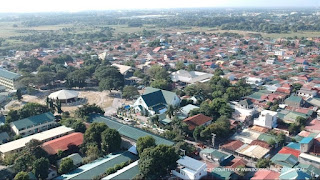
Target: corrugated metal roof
(129,131)
(8,74)
(34,120)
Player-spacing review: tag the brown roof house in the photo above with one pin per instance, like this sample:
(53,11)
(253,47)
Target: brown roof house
(197,120)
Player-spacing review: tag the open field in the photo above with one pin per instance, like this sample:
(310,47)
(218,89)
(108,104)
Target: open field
(102,99)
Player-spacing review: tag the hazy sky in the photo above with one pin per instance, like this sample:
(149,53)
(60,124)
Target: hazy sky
(81,5)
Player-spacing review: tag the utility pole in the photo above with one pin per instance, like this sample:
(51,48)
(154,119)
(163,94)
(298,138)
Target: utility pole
(213,139)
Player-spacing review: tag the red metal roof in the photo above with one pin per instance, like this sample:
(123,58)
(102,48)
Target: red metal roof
(265,174)
(233,145)
(197,120)
(287,150)
(63,143)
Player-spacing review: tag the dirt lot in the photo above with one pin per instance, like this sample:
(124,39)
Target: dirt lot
(102,99)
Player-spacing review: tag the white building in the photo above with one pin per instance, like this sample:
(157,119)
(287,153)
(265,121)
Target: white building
(18,145)
(271,61)
(254,81)
(309,159)
(189,168)
(307,93)
(190,77)
(279,53)
(34,124)
(266,119)
(8,79)
(155,101)
(244,107)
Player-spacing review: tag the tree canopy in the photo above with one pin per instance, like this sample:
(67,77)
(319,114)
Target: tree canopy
(157,162)
(145,142)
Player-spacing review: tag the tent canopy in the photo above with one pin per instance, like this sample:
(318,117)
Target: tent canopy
(64,94)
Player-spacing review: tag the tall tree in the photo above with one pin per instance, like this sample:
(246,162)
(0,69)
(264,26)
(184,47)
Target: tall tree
(66,165)
(157,162)
(111,140)
(130,92)
(93,133)
(40,168)
(145,142)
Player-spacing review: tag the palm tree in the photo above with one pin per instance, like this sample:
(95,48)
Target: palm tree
(170,111)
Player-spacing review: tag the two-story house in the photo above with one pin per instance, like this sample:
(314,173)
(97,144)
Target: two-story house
(266,119)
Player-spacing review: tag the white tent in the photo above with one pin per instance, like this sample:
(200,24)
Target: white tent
(64,95)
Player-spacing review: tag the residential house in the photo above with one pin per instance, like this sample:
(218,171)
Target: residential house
(9,79)
(34,124)
(244,109)
(255,81)
(294,101)
(197,120)
(307,93)
(213,155)
(190,77)
(155,101)
(266,119)
(305,144)
(189,168)
(284,160)
(186,109)
(293,173)
(265,174)
(309,159)
(126,71)
(271,61)
(64,143)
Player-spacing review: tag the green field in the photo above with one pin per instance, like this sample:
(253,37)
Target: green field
(7,30)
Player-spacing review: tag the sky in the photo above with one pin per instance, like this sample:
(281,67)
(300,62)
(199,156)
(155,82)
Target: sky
(83,5)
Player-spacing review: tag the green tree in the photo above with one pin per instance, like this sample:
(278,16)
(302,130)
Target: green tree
(296,87)
(191,67)
(180,65)
(111,84)
(145,142)
(281,138)
(197,131)
(263,163)
(19,94)
(188,148)
(22,176)
(130,92)
(157,162)
(111,140)
(160,84)
(23,163)
(93,133)
(79,126)
(170,111)
(33,147)
(92,153)
(66,165)
(88,109)
(158,72)
(77,78)
(40,168)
